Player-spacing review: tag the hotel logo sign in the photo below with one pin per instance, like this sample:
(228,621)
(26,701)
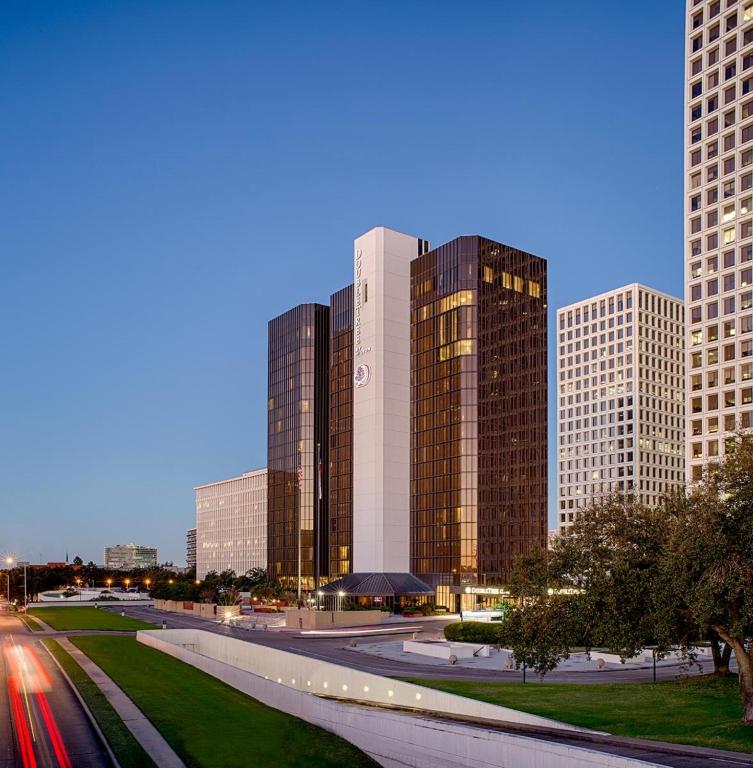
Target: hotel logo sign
(362,375)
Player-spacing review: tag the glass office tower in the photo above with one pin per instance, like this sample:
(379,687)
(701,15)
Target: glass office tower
(478,413)
(298,414)
(341,433)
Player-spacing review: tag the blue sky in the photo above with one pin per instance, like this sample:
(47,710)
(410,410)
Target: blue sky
(174,174)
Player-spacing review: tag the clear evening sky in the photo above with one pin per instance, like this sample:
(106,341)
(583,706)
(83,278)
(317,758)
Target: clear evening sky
(174,174)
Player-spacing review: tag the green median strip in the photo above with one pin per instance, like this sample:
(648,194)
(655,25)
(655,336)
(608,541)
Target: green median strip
(699,711)
(127,750)
(31,622)
(208,723)
(88,617)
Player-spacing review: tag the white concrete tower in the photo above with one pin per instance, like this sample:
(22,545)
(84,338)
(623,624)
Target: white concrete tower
(381,401)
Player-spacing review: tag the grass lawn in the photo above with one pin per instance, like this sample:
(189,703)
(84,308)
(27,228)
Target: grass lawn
(701,711)
(30,622)
(128,751)
(209,723)
(87,617)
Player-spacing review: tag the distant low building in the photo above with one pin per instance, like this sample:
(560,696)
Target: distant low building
(129,556)
(191,548)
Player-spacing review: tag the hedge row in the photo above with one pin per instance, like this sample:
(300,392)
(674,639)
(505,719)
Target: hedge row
(473,632)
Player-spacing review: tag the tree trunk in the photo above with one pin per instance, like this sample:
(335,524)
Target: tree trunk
(745,663)
(721,653)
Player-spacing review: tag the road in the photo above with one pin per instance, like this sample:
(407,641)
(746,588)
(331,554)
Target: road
(336,650)
(42,724)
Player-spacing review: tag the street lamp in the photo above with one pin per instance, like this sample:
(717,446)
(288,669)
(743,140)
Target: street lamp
(340,595)
(109,583)
(127,582)
(9,563)
(147,582)
(78,583)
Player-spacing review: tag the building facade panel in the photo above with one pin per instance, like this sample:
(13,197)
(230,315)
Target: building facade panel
(231,524)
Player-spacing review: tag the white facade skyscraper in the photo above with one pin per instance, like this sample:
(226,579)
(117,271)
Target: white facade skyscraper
(718,226)
(620,398)
(231,524)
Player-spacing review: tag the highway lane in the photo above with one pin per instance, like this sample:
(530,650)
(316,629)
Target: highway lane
(42,724)
(336,650)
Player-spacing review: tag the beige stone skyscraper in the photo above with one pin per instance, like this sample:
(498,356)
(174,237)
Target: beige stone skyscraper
(718,226)
(620,398)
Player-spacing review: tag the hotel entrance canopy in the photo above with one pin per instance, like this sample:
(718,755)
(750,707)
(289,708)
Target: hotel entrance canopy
(379,585)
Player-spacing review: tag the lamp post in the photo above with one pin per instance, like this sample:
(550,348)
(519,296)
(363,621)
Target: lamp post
(340,596)
(25,563)
(147,582)
(78,584)
(9,563)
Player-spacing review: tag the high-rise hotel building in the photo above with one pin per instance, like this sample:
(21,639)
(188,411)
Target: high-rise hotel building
(424,385)
(718,226)
(478,412)
(620,398)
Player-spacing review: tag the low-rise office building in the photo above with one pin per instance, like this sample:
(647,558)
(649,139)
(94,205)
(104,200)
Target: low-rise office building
(129,556)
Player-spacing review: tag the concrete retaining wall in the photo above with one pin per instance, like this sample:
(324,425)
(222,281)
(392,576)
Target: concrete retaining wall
(394,739)
(443,650)
(305,619)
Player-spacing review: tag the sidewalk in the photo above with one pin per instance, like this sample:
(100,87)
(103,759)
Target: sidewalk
(141,728)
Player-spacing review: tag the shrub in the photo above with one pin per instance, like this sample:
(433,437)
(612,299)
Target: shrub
(473,632)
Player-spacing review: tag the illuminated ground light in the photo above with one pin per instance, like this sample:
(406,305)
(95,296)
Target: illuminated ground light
(279,679)
(326,685)
(308,683)
(292,681)
(418,697)
(366,689)
(345,687)
(390,693)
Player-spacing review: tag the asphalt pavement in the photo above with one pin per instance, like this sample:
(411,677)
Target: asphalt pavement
(337,651)
(42,724)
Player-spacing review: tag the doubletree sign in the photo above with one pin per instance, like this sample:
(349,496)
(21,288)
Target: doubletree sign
(361,375)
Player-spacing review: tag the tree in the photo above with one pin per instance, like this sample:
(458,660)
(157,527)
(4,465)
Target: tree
(596,585)
(707,582)
(77,560)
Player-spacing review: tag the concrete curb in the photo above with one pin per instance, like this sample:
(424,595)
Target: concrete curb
(84,705)
(142,728)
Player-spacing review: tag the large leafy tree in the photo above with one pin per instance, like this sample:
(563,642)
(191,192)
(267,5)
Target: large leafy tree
(707,568)
(595,588)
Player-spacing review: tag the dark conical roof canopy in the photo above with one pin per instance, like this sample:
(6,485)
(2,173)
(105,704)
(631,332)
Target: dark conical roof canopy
(379,585)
